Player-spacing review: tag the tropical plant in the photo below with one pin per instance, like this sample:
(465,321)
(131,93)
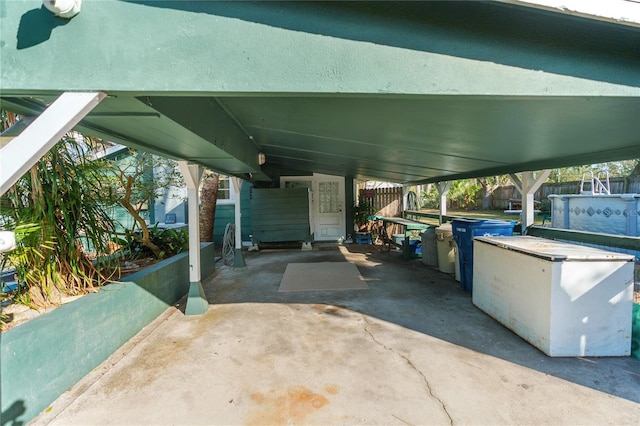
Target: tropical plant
(60,224)
(575,173)
(430,197)
(464,193)
(361,213)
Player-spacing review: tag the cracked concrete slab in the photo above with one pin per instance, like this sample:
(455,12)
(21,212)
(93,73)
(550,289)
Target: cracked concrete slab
(411,364)
(411,350)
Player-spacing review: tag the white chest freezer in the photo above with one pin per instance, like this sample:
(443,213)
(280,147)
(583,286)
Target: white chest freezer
(564,299)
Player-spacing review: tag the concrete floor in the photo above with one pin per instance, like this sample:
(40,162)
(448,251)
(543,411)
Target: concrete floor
(410,350)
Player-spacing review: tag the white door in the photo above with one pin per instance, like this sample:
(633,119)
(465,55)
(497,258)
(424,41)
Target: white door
(329,207)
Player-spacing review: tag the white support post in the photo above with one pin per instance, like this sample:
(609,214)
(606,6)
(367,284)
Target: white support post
(405,199)
(443,189)
(516,182)
(528,205)
(197,303)
(238,258)
(527,188)
(21,153)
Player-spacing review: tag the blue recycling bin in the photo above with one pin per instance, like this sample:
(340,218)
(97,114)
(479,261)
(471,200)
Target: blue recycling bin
(463,232)
(415,247)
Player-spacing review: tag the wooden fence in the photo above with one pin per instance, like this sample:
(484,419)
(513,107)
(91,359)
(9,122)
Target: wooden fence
(502,195)
(618,185)
(386,201)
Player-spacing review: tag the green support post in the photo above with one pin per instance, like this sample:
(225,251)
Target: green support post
(238,259)
(197,303)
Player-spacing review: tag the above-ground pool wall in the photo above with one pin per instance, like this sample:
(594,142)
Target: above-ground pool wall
(608,214)
(617,214)
(41,359)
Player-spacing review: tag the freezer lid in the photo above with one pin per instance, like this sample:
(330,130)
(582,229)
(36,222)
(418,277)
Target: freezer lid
(554,251)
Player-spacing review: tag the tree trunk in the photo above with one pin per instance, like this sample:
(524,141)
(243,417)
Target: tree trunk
(126,203)
(209,196)
(635,173)
(486,200)
(146,236)
(487,191)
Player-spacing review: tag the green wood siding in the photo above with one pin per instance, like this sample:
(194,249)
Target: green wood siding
(225,213)
(280,215)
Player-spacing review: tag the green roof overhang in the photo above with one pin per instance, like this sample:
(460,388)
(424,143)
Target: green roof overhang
(405,92)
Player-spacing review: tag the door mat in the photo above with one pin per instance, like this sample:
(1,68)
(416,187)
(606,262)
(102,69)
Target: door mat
(322,276)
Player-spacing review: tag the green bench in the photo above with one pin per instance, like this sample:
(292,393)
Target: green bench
(408,226)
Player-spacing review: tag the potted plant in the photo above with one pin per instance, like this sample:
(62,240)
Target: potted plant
(361,213)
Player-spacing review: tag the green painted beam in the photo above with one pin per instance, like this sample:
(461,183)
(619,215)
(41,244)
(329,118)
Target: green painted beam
(152,47)
(130,121)
(207,118)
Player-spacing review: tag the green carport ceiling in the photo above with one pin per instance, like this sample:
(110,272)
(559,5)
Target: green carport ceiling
(404,92)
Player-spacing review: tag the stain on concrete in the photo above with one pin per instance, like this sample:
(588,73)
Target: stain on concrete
(332,389)
(291,406)
(258,397)
(338,311)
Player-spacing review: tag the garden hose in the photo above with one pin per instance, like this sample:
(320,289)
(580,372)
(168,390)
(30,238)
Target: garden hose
(229,244)
(412,201)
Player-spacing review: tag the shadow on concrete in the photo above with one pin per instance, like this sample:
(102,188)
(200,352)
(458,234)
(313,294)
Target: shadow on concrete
(414,296)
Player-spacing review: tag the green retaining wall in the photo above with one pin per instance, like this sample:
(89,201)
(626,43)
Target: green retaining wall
(635,331)
(41,359)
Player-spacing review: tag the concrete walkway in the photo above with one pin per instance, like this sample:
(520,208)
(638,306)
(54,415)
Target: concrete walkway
(410,350)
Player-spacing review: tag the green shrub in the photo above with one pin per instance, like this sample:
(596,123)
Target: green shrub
(56,211)
(170,242)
